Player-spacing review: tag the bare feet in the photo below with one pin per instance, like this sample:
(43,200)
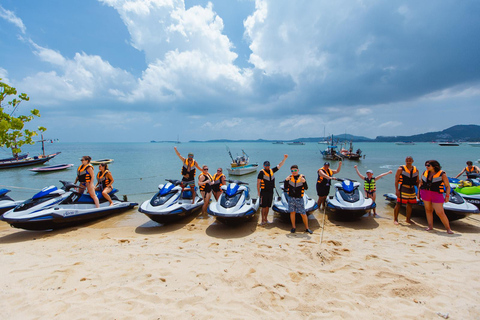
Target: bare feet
(408,221)
(428,229)
(395,222)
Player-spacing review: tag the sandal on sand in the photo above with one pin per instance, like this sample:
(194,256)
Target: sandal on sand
(293,230)
(309,231)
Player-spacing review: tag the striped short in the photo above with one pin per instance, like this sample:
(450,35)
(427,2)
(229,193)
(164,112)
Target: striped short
(407,195)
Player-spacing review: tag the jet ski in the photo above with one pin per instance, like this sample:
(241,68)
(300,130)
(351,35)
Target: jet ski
(348,203)
(168,204)
(7,203)
(46,198)
(456,208)
(280,205)
(470,194)
(235,204)
(70,208)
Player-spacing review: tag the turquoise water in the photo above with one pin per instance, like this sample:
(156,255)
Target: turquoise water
(139,168)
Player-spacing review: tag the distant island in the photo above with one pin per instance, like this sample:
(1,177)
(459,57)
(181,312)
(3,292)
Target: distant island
(467,133)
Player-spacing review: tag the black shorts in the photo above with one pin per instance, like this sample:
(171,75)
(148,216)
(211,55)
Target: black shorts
(323,189)
(266,199)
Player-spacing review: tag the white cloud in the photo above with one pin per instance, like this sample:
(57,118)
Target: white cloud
(12,18)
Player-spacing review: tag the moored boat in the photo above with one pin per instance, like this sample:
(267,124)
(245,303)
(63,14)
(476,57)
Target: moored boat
(52,168)
(241,165)
(296,143)
(96,162)
(28,161)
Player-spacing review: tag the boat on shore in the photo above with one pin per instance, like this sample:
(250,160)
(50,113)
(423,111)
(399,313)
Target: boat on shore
(52,168)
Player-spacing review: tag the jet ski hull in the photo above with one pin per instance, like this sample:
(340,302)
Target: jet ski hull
(234,216)
(452,211)
(63,216)
(348,203)
(348,213)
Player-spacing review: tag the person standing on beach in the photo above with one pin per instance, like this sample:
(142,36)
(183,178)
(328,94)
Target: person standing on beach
(369,184)
(435,191)
(188,172)
(104,181)
(205,181)
(406,179)
(219,180)
(295,186)
(265,186)
(85,176)
(469,169)
(325,176)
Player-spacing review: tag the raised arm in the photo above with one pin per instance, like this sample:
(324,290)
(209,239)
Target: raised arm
(339,167)
(179,155)
(358,172)
(383,174)
(285,156)
(198,167)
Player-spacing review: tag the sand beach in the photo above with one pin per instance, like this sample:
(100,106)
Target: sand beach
(128,267)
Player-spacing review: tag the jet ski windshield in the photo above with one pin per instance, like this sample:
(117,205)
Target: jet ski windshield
(160,198)
(229,201)
(456,198)
(351,197)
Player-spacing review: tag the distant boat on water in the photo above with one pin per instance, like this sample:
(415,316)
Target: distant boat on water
(405,143)
(474,144)
(296,143)
(448,144)
(277,142)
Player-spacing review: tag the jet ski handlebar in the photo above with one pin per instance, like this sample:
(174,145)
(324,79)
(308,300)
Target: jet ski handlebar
(67,185)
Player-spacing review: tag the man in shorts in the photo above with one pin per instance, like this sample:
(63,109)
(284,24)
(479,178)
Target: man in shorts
(325,176)
(265,186)
(295,185)
(406,181)
(188,172)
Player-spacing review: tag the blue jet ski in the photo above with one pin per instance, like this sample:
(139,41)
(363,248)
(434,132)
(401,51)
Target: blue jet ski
(7,203)
(348,203)
(66,207)
(235,204)
(168,204)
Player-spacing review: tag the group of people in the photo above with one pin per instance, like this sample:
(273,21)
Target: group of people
(432,187)
(85,174)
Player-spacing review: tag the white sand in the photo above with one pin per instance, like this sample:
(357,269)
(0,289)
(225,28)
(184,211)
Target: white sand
(126,267)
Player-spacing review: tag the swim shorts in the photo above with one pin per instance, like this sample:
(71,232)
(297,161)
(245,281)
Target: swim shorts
(323,189)
(296,205)
(188,183)
(407,195)
(432,196)
(266,199)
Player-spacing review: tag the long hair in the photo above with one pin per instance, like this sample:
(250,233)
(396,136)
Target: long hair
(435,164)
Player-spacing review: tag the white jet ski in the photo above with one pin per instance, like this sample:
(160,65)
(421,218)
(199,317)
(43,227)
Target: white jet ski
(235,204)
(348,203)
(456,208)
(169,205)
(74,208)
(7,203)
(47,197)
(280,204)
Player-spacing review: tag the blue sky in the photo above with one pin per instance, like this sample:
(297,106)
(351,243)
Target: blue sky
(141,70)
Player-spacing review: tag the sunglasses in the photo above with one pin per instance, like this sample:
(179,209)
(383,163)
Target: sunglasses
(206,169)
(294,170)
(219,170)
(428,165)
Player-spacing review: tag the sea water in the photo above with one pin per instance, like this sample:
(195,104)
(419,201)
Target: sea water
(139,168)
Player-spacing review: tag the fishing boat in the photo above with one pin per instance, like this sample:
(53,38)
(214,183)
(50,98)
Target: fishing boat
(331,152)
(19,157)
(349,154)
(52,168)
(296,143)
(24,160)
(101,161)
(241,165)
